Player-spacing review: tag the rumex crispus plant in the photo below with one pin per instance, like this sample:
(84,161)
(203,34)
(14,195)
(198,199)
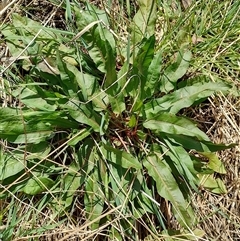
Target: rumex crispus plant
(100,116)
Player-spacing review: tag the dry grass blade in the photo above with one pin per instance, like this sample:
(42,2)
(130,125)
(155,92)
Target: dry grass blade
(4,6)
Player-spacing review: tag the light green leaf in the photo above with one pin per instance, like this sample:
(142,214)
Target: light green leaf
(31,27)
(175,71)
(101,42)
(183,98)
(214,162)
(16,132)
(91,14)
(37,185)
(10,165)
(85,114)
(89,87)
(26,126)
(177,235)
(68,12)
(144,21)
(32,99)
(132,122)
(117,103)
(215,185)
(168,188)
(172,124)
(122,158)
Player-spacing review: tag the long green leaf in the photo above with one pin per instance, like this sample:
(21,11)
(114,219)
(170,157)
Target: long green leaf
(119,185)
(183,98)
(172,124)
(68,77)
(144,21)
(101,42)
(17,132)
(175,71)
(26,126)
(93,199)
(71,182)
(86,156)
(183,163)
(168,188)
(85,114)
(153,75)
(191,143)
(81,134)
(142,62)
(31,98)
(121,158)
(31,27)
(122,179)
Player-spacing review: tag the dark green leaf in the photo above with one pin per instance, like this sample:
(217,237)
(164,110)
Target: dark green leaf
(153,75)
(142,62)
(191,143)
